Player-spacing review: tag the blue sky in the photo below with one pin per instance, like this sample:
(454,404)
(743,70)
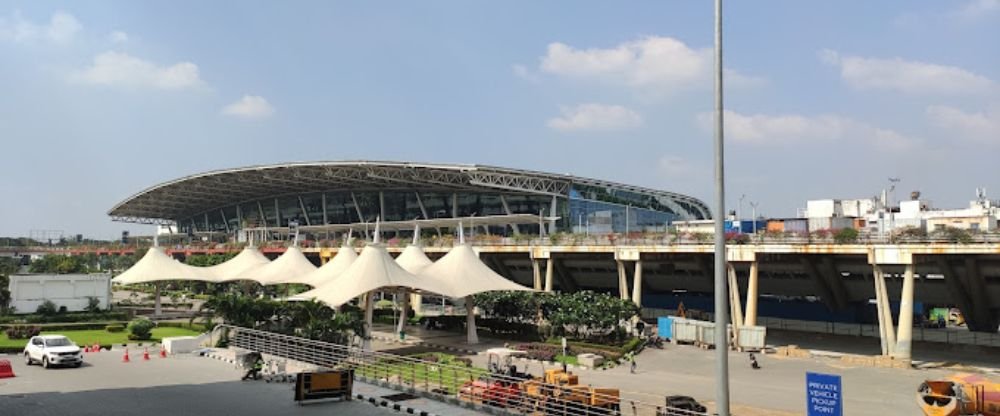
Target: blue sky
(99,100)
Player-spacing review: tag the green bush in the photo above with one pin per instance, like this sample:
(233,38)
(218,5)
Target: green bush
(69,317)
(114,328)
(47,308)
(22,331)
(845,236)
(140,329)
(384,304)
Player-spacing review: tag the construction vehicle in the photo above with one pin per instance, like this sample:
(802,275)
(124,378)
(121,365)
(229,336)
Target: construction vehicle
(959,395)
(503,386)
(558,392)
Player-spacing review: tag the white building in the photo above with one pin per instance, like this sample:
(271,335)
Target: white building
(981,215)
(28,291)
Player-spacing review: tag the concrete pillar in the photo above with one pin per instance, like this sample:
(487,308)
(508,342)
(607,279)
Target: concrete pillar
(537,273)
(637,284)
(549,265)
(622,280)
(417,303)
(157,306)
(470,320)
(366,343)
(878,309)
(751,316)
(904,340)
(734,293)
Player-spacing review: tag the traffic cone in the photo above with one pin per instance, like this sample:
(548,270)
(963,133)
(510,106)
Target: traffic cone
(145,354)
(97,348)
(86,349)
(163,352)
(125,357)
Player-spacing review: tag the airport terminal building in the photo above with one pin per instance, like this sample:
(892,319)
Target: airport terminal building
(335,196)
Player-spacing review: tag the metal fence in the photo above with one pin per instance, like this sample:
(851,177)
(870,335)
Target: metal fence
(515,394)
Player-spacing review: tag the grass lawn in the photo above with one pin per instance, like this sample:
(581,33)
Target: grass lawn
(568,359)
(90,337)
(445,375)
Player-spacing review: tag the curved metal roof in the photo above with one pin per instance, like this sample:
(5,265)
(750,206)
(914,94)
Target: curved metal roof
(191,195)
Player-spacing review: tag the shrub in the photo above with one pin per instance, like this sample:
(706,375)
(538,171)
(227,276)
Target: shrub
(47,308)
(845,236)
(93,304)
(384,304)
(22,331)
(114,328)
(140,329)
(62,309)
(539,351)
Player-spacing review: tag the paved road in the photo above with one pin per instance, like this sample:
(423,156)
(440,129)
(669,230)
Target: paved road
(176,386)
(778,388)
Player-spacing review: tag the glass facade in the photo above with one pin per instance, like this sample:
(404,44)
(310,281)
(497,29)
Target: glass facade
(587,209)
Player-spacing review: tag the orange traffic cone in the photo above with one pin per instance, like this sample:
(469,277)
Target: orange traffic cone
(163,352)
(125,357)
(86,349)
(97,348)
(145,354)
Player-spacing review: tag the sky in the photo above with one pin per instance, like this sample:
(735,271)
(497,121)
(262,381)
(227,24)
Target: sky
(100,100)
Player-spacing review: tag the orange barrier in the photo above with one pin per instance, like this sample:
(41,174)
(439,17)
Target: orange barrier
(6,371)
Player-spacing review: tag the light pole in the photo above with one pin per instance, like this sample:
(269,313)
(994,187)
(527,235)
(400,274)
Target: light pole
(753,218)
(739,211)
(721,290)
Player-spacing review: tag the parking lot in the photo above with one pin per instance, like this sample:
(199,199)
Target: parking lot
(175,386)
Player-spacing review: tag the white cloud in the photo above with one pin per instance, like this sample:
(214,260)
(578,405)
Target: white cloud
(595,117)
(981,126)
(651,61)
(118,37)
(911,77)
(250,106)
(978,8)
(123,70)
(61,28)
(523,72)
(761,129)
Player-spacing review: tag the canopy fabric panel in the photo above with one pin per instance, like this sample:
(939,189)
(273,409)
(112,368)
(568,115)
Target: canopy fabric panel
(373,269)
(157,266)
(289,265)
(464,274)
(248,259)
(328,272)
(413,259)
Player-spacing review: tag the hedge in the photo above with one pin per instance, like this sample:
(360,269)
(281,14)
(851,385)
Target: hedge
(68,317)
(81,326)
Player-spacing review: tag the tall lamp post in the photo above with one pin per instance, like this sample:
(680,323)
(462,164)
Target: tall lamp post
(721,289)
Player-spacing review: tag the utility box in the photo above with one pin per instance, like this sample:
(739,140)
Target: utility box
(664,327)
(590,360)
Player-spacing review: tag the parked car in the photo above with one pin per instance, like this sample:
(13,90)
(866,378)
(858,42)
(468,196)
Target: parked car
(681,406)
(52,350)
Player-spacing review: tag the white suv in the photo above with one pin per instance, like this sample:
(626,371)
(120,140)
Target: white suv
(52,350)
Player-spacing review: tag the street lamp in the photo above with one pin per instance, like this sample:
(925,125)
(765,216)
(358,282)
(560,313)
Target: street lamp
(721,289)
(753,218)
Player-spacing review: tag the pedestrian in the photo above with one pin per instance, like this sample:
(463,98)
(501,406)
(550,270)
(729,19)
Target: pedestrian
(753,362)
(630,357)
(256,364)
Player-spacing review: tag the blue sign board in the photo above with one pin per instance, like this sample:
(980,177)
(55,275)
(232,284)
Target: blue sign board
(824,395)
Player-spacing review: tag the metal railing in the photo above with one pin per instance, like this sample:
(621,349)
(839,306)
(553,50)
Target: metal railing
(516,394)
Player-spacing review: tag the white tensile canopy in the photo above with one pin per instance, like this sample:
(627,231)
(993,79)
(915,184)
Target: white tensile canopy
(374,269)
(328,272)
(248,259)
(156,266)
(413,260)
(466,275)
(289,265)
